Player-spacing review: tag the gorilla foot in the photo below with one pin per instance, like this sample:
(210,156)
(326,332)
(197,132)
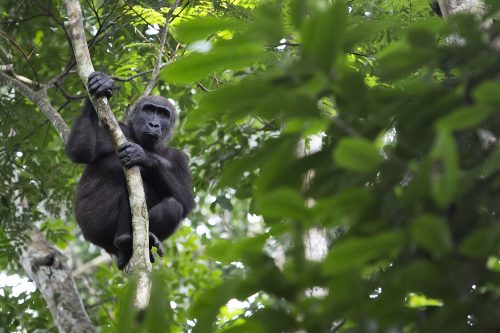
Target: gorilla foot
(155,242)
(122,259)
(123,244)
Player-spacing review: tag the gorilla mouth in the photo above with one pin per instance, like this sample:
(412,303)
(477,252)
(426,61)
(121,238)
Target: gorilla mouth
(155,135)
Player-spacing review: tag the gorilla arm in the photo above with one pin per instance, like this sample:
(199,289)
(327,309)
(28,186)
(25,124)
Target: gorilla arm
(87,140)
(166,170)
(172,172)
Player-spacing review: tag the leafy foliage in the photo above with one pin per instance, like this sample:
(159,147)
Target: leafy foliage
(373,121)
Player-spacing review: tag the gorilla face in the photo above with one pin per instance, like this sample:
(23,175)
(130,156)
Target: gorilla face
(153,121)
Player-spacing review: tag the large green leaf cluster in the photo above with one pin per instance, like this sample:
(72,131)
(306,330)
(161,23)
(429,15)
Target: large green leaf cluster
(371,122)
(405,180)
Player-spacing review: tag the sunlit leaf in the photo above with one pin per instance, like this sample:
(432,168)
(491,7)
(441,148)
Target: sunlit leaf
(357,154)
(223,57)
(202,27)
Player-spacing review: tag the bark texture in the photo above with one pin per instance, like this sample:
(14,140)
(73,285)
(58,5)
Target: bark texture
(450,7)
(47,266)
(139,265)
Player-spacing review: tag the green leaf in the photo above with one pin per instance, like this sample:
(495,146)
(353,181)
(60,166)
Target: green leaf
(323,35)
(282,203)
(348,204)
(127,313)
(487,92)
(156,316)
(229,102)
(298,11)
(263,321)
(233,171)
(421,301)
(492,163)
(444,169)
(363,30)
(422,34)
(202,27)
(207,306)
(433,234)
(230,250)
(354,253)
(224,56)
(357,154)
(463,118)
(400,60)
(482,242)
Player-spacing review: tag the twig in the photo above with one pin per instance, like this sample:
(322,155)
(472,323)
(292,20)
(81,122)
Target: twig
(90,266)
(13,42)
(140,16)
(130,78)
(65,93)
(202,87)
(10,69)
(163,38)
(180,11)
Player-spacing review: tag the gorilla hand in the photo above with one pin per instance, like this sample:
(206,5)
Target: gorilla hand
(101,84)
(132,154)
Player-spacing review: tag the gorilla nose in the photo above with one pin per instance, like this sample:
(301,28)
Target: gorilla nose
(154,125)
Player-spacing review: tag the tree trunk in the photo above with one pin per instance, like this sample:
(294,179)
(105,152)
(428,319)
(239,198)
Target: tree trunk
(450,7)
(47,266)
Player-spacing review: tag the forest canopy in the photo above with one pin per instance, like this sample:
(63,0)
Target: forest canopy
(344,155)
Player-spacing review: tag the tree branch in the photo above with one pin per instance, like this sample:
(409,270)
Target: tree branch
(139,265)
(41,99)
(42,262)
(91,265)
(47,266)
(163,39)
(10,69)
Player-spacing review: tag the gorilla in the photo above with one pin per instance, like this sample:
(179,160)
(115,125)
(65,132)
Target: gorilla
(102,207)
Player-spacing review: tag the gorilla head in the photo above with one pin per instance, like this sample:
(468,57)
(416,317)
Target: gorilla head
(152,121)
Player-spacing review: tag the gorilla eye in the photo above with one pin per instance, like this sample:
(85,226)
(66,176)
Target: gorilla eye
(148,108)
(165,112)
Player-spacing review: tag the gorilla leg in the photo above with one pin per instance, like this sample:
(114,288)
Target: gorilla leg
(123,233)
(164,217)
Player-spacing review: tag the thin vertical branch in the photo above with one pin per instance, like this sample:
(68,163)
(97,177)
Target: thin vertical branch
(163,39)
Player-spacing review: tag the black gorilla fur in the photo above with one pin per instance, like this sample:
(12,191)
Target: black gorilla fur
(102,206)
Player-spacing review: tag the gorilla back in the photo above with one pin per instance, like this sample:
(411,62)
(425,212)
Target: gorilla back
(102,206)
